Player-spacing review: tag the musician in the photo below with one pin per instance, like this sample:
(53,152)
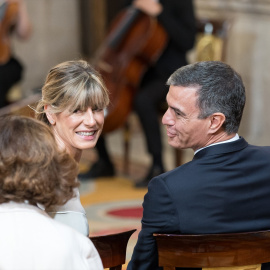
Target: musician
(177,18)
(19,24)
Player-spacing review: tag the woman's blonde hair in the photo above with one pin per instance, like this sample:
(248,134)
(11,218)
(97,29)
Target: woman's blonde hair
(73,85)
(31,166)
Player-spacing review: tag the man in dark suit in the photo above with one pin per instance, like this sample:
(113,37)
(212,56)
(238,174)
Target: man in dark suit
(225,188)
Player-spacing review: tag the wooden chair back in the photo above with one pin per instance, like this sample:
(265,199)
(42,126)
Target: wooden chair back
(112,248)
(214,250)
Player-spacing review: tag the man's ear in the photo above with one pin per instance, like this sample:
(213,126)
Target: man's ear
(216,122)
(50,116)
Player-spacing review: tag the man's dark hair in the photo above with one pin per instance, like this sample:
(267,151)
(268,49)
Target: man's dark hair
(219,89)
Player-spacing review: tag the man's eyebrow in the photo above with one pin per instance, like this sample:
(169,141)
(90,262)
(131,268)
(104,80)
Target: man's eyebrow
(177,111)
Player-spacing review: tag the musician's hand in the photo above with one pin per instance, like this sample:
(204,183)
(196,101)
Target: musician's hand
(150,7)
(23,25)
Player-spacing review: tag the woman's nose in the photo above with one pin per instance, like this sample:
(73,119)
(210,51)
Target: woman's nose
(89,118)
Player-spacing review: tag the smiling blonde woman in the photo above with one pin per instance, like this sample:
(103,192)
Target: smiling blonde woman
(74,97)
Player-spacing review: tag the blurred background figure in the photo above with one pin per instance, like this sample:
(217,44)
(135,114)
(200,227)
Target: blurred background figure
(32,172)
(14,19)
(178,20)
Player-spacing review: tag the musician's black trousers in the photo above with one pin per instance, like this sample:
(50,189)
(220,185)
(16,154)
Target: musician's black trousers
(10,73)
(152,93)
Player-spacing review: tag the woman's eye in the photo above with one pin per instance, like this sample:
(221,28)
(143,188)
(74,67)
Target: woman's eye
(77,111)
(97,109)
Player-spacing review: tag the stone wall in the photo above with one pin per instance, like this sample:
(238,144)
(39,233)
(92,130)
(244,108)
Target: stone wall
(55,38)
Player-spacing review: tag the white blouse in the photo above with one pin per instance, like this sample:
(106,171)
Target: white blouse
(71,213)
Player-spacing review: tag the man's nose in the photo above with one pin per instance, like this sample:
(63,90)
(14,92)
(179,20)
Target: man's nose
(167,118)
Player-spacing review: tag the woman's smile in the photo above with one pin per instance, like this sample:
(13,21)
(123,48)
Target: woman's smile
(87,135)
(79,130)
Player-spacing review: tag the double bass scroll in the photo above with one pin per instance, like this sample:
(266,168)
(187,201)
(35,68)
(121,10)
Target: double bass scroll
(134,43)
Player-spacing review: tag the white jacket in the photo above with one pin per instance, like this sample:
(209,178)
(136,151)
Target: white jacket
(31,240)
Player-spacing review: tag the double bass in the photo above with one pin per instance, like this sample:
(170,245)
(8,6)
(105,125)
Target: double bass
(8,16)
(134,43)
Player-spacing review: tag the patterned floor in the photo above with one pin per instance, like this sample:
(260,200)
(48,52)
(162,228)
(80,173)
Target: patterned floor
(113,205)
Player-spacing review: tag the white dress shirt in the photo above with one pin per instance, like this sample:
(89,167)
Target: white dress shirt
(71,213)
(236,137)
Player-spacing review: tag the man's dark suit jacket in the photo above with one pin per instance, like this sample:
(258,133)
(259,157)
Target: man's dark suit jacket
(225,188)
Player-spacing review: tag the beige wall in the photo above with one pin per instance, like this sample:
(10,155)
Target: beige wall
(55,38)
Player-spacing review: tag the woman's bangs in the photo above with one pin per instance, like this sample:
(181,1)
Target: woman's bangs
(85,97)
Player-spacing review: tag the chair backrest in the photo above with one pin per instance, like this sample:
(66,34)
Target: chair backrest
(112,248)
(211,41)
(21,107)
(213,250)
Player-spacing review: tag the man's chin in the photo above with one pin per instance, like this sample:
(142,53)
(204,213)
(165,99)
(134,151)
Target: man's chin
(173,143)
